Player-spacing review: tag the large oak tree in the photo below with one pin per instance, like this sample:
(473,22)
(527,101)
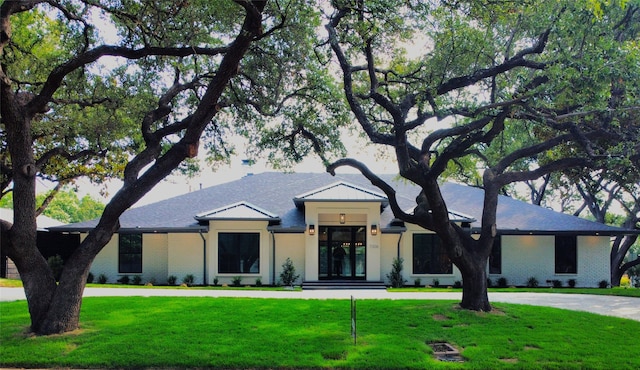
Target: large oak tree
(558,70)
(129,89)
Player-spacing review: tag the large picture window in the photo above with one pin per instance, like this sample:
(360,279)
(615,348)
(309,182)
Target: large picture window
(495,258)
(429,256)
(130,253)
(566,255)
(238,253)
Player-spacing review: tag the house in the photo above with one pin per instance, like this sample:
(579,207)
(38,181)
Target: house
(49,244)
(338,229)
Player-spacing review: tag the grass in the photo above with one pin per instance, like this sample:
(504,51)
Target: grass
(616,291)
(135,332)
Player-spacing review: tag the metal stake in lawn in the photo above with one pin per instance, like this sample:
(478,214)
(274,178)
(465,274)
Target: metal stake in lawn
(353,320)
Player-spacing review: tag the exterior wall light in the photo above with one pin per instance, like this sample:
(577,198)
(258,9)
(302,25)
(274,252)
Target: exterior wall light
(374,230)
(312,229)
(342,218)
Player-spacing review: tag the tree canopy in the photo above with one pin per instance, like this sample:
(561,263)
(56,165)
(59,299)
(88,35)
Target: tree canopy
(531,88)
(133,89)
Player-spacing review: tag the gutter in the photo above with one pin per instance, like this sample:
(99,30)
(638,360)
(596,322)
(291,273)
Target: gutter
(204,259)
(273,259)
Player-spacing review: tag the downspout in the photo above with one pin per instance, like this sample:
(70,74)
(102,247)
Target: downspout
(204,259)
(398,248)
(273,259)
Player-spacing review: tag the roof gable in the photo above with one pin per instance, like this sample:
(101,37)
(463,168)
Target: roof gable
(340,191)
(237,211)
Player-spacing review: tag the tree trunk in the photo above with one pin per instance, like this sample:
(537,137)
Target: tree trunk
(55,308)
(474,285)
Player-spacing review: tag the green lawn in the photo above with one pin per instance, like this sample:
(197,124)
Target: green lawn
(137,332)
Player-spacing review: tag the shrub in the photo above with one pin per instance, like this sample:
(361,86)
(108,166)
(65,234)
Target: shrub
(288,275)
(137,280)
(171,280)
(532,282)
(625,281)
(124,279)
(56,264)
(458,283)
(90,278)
(258,281)
(236,280)
(556,283)
(102,279)
(395,276)
(603,284)
(571,283)
(188,280)
(215,281)
(502,282)
(489,283)
(436,283)
(417,282)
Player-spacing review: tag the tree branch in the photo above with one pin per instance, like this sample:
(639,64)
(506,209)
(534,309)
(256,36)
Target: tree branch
(379,183)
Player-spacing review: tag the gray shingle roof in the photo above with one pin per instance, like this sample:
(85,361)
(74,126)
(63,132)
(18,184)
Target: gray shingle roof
(274,193)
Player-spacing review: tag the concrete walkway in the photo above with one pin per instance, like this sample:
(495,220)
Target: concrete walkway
(625,307)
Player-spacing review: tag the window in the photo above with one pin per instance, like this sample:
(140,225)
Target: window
(238,253)
(566,255)
(429,256)
(495,258)
(130,253)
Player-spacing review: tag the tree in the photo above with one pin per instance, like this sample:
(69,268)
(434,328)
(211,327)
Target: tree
(556,70)
(74,104)
(65,206)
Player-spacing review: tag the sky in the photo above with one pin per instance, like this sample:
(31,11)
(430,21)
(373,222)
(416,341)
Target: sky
(177,184)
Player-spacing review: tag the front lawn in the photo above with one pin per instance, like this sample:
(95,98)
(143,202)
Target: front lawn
(135,332)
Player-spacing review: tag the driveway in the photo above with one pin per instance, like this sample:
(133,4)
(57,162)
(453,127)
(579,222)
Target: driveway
(624,307)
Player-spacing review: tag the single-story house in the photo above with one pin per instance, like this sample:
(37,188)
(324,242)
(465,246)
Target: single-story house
(338,229)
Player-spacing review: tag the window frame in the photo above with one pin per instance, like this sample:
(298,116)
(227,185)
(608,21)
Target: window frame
(223,259)
(495,258)
(566,254)
(433,242)
(133,266)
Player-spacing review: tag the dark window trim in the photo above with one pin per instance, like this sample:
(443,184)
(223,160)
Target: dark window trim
(495,258)
(436,242)
(137,269)
(566,254)
(221,263)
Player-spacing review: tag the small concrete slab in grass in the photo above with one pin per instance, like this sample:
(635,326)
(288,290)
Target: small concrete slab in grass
(446,352)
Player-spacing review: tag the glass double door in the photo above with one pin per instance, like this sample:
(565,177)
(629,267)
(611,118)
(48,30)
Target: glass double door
(342,252)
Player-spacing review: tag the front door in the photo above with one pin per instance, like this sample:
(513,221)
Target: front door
(342,252)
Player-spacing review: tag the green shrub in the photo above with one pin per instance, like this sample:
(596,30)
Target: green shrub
(136,280)
(458,283)
(395,276)
(489,283)
(417,282)
(215,281)
(288,275)
(171,280)
(56,264)
(532,282)
(102,279)
(556,283)
(258,281)
(603,284)
(236,280)
(124,279)
(571,283)
(436,283)
(502,282)
(188,279)
(90,278)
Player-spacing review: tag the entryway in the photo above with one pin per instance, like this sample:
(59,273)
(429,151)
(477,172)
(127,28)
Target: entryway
(342,252)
